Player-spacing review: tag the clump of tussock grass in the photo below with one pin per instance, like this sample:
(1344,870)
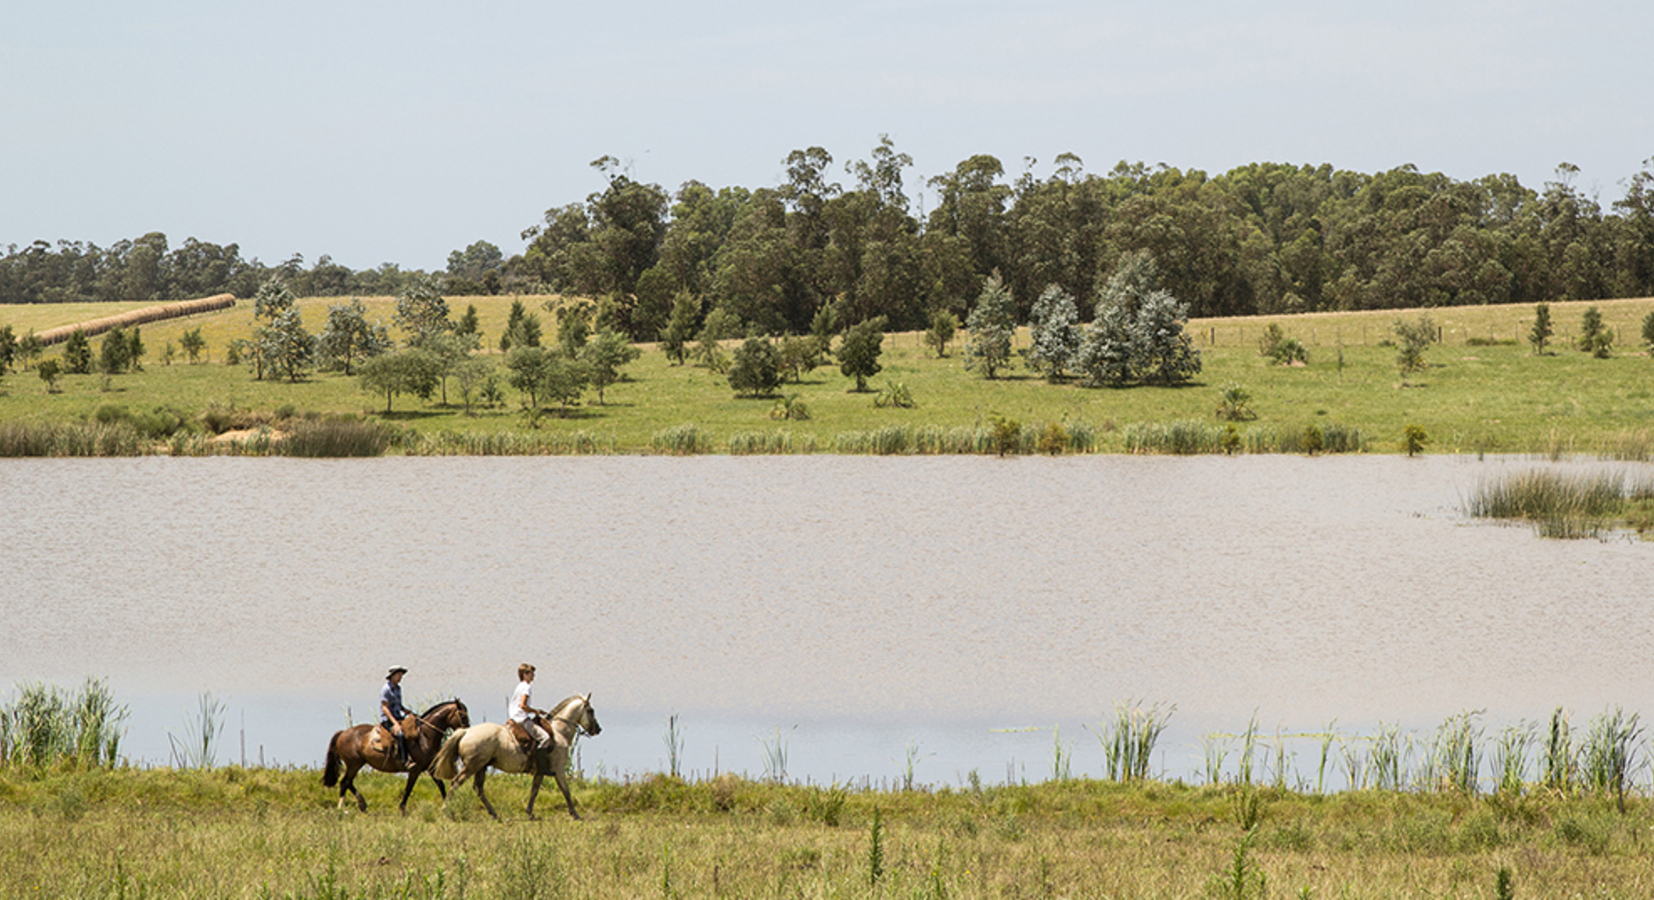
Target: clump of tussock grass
(781,441)
(682,440)
(45,725)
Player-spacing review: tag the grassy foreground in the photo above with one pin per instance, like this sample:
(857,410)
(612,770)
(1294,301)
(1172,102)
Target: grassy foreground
(1484,391)
(275,833)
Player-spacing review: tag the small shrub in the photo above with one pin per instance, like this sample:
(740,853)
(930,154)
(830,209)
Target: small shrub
(1053,439)
(1235,404)
(1414,439)
(1314,440)
(895,395)
(1006,435)
(790,408)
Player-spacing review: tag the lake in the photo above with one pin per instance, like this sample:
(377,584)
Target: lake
(967,613)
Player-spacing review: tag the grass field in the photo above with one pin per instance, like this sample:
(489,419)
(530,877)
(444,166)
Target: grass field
(1484,390)
(233,833)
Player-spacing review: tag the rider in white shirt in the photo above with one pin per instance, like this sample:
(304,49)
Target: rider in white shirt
(522,713)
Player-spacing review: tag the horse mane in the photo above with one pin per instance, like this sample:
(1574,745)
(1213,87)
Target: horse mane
(437,706)
(564,704)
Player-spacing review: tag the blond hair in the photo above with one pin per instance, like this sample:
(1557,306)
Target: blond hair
(523,671)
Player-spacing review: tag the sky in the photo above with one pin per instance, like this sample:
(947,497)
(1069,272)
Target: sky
(397,132)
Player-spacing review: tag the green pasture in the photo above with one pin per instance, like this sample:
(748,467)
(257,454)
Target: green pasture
(256,833)
(1484,389)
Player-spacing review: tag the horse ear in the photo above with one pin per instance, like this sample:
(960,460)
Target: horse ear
(588,698)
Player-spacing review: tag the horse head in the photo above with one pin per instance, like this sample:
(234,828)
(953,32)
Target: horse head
(588,720)
(448,715)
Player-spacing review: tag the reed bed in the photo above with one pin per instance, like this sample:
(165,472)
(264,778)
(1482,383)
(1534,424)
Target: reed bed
(57,439)
(508,443)
(46,725)
(781,441)
(681,440)
(336,438)
(1560,505)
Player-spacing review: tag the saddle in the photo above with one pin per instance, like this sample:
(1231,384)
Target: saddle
(380,739)
(525,740)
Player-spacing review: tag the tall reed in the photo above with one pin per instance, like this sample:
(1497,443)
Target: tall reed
(1387,761)
(1556,758)
(1609,758)
(1510,757)
(1453,758)
(1129,739)
(197,747)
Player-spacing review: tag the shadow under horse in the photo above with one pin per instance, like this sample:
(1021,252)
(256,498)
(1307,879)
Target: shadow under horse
(469,752)
(353,748)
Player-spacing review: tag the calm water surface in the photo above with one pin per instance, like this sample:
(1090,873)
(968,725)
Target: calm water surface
(877,604)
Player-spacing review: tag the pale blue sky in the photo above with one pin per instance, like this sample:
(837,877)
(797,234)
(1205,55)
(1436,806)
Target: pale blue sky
(377,131)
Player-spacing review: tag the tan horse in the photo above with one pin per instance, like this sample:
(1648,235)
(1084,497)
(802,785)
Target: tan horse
(469,752)
(356,747)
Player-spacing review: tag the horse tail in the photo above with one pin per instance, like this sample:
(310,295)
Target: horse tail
(445,766)
(330,768)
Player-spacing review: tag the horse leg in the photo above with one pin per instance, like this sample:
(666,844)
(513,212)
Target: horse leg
(476,781)
(349,784)
(413,776)
(563,785)
(533,792)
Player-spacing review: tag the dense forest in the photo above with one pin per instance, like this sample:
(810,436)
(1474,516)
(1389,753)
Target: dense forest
(1262,238)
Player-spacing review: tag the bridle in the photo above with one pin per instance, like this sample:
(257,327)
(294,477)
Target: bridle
(579,727)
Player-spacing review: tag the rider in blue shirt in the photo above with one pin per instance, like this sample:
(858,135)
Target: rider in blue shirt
(391,712)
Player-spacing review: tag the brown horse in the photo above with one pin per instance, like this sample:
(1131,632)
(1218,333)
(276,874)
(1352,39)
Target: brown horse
(354,748)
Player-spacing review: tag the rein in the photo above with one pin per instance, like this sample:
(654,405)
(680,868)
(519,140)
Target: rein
(578,728)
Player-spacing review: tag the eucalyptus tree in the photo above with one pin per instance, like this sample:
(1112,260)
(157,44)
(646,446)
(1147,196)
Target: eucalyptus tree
(991,324)
(971,207)
(1138,333)
(421,312)
(859,351)
(674,341)
(604,355)
(412,371)
(1054,325)
(348,336)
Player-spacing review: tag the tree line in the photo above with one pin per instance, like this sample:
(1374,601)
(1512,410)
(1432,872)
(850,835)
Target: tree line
(1259,239)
